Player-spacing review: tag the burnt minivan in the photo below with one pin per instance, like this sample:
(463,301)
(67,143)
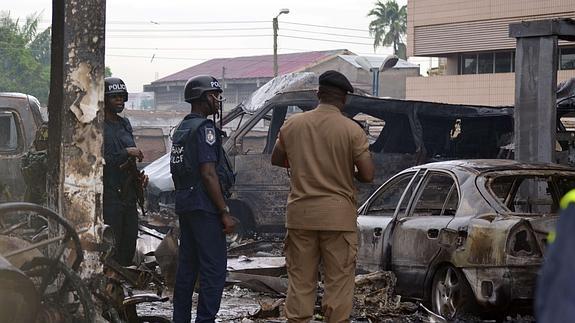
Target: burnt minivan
(401,134)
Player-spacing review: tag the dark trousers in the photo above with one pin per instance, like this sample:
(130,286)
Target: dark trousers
(123,218)
(203,255)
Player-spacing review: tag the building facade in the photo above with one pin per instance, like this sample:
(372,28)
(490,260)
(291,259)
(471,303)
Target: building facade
(241,76)
(472,39)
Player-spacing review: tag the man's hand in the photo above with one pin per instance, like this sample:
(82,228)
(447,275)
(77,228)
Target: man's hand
(229,223)
(135,152)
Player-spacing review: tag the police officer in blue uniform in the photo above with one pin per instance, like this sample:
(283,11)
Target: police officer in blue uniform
(120,206)
(202,177)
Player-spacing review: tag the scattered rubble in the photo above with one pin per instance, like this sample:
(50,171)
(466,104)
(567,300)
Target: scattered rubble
(375,300)
(256,290)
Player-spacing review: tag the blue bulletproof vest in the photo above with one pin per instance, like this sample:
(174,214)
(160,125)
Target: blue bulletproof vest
(185,169)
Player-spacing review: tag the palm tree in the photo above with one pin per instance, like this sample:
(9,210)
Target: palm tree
(389,26)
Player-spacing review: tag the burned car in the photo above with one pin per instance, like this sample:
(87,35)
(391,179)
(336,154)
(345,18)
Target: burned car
(462,234)
(401,133)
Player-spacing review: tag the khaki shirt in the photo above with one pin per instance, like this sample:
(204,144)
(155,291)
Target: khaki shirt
(322,146)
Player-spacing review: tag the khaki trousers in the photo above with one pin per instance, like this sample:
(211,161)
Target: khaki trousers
(337,251)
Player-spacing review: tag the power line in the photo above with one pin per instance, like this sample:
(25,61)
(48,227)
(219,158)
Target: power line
(219,22)
(327,40)
(323,26)
(183,48)
(156,57)
(204,36)
(232,29)
(199,59)
(321,33)
(185,30)
(142,22)
(234,36)
(187,36)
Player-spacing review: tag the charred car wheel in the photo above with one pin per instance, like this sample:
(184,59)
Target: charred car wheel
(450,293)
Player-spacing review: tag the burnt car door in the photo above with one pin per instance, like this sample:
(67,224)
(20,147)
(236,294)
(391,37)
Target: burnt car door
(414,241)
(375,216)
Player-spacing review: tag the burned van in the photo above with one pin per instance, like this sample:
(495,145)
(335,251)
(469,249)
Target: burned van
(401,133)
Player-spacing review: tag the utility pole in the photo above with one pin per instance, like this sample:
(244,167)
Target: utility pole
(275,27)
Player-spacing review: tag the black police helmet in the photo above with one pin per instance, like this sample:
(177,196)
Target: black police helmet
(114,85)
(198,85)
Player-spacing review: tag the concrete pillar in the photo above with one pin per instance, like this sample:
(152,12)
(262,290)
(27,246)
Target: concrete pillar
(535,96)
(536,85)
(76,119)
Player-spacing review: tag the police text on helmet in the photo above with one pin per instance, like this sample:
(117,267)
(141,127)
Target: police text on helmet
(117,86)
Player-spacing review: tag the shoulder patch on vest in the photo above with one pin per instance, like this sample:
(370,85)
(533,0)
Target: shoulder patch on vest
(210,135)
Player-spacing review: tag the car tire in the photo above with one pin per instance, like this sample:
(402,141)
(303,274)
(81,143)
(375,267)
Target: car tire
(451,295)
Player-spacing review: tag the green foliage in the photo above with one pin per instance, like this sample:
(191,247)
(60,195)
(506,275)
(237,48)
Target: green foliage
(24,57)
(389,26)
(107,72)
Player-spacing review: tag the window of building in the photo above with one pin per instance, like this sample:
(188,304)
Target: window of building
(567,58)
(485,63)
(504,62)
(469,64)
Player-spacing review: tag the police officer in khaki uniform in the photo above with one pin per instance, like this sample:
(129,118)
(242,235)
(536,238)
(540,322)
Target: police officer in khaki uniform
(321,148)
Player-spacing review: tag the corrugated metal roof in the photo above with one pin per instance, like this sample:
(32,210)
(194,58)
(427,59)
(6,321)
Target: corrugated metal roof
(253,66)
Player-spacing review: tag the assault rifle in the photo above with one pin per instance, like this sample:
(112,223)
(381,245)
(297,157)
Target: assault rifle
(136,180)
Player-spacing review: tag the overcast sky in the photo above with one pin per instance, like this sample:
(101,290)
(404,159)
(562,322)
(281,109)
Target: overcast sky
(182,33)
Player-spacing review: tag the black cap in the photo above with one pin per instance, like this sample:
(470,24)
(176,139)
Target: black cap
(335,79)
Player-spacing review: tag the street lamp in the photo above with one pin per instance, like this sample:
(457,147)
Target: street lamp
(387,63)
(275,26)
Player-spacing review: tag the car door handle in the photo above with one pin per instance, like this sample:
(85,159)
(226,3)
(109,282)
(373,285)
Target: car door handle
(432,233)
(377,232)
